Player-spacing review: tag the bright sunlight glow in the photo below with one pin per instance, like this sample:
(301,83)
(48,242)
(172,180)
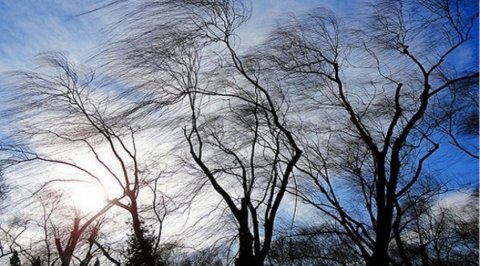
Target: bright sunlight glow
(88,198)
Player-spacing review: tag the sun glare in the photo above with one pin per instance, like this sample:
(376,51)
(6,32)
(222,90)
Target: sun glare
(88,198)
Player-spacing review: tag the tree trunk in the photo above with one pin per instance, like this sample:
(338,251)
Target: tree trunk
(66,258)
(145,246)
(245,239)
(383,226)
(66,253)
(246,257)
(424,255)
(382,239)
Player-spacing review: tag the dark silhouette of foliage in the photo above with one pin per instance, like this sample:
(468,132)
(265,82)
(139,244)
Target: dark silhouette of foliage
(15,260)
(138,255)
(37,262)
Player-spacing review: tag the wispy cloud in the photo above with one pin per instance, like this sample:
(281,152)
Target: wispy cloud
(32,27)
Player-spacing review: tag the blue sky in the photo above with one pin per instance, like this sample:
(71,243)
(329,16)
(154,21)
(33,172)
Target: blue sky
(30,27)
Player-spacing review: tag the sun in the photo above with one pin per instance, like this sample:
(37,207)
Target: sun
(88,198)
(89,195)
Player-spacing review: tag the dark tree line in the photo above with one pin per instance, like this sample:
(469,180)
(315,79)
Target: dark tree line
(314,147)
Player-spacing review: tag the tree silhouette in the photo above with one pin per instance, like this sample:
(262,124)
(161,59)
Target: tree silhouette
(67,108)
(333,124)
(385,79)
(15,260)
(247,153)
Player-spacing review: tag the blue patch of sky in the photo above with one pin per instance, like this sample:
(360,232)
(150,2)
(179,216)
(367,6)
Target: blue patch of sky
(31,27)
(267,13)
(451,163)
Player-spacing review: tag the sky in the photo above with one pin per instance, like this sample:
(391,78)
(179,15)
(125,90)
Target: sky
(31,27)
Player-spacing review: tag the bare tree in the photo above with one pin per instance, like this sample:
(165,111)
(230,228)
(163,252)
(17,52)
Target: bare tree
(11,231)
(70,110)
(49,202)
(385,77)
(314,245)
(52,234)
(457,117)
(244,158)
(344,115)
(448,235)
(78,229)
(235,128)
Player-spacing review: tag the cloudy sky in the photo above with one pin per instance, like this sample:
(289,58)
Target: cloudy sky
(31,27)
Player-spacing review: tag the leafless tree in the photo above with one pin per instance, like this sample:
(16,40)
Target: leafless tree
(70,111)
(11,231)
(457,117)
(235,125)
(384,72)
(344,114)
(50,202)
(67,246)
